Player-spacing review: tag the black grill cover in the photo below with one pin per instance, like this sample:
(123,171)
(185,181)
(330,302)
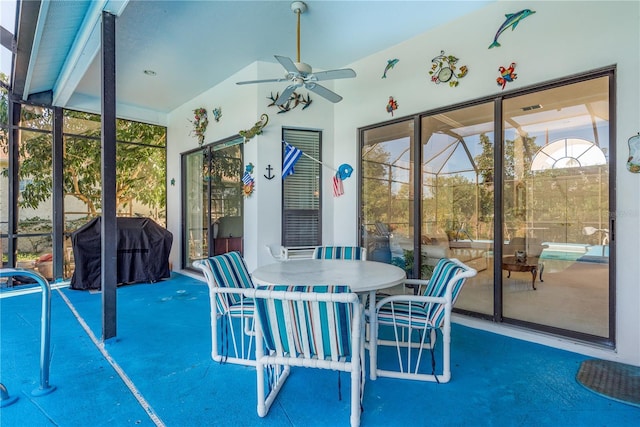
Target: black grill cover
(143,252)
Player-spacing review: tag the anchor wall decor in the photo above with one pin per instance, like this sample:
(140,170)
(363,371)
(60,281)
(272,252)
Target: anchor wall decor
(269,175)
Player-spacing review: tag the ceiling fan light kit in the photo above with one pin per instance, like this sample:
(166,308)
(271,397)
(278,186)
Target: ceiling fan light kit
(300,74)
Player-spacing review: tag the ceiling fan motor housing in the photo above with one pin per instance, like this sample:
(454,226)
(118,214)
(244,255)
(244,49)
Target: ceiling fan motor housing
(303,68)
(298,6)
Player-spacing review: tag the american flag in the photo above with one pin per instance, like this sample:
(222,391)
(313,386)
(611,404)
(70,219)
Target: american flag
(338,188)
(291,156)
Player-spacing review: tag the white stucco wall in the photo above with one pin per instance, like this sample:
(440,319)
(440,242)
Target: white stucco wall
(241,108)
(563,38)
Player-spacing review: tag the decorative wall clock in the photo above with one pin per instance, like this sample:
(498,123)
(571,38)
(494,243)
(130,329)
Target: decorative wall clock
(443,70)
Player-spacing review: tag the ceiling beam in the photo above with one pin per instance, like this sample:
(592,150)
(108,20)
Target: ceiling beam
(85,48)
(26,27)
(7,39)
(35,47)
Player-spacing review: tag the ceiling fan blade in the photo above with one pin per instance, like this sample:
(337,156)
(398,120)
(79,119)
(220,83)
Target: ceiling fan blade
(288,64)
(261,81)
(286,94)
(344,73)
(323,92)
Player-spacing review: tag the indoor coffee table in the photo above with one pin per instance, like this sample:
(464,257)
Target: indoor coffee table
(531,264)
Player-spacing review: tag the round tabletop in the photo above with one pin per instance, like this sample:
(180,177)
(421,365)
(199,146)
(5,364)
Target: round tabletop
(360,276)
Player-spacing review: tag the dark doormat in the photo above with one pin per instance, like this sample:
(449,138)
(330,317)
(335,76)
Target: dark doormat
(614,380)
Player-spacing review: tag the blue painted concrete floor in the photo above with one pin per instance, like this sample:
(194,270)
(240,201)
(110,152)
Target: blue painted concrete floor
(158,371)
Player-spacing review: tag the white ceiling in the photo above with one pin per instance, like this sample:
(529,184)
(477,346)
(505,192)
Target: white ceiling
(194,45)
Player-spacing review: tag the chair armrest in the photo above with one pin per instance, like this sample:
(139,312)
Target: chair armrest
(416,285)
(419,282)
(411,298)
(245,292)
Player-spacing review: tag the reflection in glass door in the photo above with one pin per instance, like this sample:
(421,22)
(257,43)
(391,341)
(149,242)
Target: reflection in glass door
(212,201)
(458,197)
(556,208)
(194,241)
(388,195)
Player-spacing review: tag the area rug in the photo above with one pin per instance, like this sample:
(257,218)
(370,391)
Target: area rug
(613,380)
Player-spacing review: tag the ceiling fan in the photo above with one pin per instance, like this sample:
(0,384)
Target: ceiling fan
(300,74)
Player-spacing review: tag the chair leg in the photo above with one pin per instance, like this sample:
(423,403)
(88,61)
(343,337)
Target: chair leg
(446,351)
(373,347)
(355,394)
(276,381)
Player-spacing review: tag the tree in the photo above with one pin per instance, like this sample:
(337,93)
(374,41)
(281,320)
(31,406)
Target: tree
(4,112)
(376,197)
(518,156)
(140,161)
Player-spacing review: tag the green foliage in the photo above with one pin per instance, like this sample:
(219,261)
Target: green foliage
(484,161)
(224,166)
(140,166)
(384,200)
(4,100)
(4,111)
(407,265)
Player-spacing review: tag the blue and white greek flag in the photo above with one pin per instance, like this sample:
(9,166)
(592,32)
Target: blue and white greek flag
(247,178)
(291,156)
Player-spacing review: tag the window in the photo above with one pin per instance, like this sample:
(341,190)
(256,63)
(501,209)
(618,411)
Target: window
(524,197)
(568,153)
(301,219)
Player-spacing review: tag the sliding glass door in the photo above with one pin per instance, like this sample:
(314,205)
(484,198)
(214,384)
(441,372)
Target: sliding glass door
(519,188)
(556,207)
(458,197)
(212,202)
(387,221)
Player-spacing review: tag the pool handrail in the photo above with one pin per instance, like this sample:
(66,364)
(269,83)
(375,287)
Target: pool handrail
(45,327)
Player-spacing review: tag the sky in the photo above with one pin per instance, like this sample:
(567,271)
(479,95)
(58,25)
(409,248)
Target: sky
(8,21)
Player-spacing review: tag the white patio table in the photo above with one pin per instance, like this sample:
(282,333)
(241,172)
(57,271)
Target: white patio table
(361,276)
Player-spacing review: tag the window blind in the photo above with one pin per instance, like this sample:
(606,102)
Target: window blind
(301,192)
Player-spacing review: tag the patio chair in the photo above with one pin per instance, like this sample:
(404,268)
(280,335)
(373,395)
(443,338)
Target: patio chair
(227,277)
(340,252)
(278,252)
(413,321)
(316,326)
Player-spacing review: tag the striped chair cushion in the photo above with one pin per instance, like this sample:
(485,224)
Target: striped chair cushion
(229,271)
(442,274)
(402,313)
(309,328)
(246,308)
(430,313)
(339,252)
